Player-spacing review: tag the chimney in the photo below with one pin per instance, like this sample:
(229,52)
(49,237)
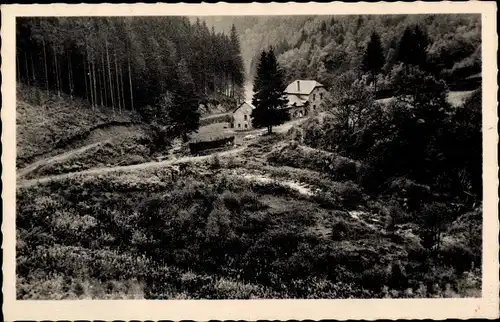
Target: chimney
(298,86)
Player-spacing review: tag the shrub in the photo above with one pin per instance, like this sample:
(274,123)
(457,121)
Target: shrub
(214,162)
(374,278)
(459,256)
(340,231)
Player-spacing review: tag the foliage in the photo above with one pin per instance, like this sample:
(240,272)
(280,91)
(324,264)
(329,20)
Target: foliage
(324,47)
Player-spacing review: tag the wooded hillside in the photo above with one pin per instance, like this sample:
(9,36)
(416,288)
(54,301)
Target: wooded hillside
(322,47)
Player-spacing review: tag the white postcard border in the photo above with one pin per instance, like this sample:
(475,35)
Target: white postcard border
(487,306)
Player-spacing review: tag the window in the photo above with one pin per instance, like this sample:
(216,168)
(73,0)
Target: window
(239,125)
(245,125)
(314,97)
(314,107)
(321,95)
(245,117)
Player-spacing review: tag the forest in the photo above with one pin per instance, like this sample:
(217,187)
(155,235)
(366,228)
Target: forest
(132,63)
(324,47)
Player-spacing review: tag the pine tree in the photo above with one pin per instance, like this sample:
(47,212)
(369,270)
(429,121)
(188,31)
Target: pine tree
(269,93)
(373,58)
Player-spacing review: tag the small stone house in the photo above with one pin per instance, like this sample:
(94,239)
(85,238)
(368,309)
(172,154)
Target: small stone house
(242,116)
(305,97)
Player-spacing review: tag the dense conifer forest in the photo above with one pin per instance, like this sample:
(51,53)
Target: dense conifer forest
(128,62)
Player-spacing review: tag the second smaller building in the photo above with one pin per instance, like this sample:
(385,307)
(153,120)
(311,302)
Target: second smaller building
(242,116)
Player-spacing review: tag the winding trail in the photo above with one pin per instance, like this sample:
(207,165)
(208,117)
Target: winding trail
(153,164)
(66,155)
(59,157)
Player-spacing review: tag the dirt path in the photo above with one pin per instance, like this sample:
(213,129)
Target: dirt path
(153,164)
(299,187)
(59,157)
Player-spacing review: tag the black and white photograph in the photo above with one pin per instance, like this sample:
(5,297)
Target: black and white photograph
(241,157)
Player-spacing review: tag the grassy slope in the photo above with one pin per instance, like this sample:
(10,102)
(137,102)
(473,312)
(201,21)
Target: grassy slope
(49,127)
(46,124)
(215,234)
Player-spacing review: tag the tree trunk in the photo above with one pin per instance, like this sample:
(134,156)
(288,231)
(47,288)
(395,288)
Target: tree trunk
(101,82)
(91,85)
(117,85)
(26,68)
(58,84)
(94,83)
(18,68)
(33,70)
(121,87)
(103,70)
(45,65)
(110,79)
(85,79)
(130,84)
(70,78)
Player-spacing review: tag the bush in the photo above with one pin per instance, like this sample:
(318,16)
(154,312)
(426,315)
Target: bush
(297,156)
(459,256)
(374,278)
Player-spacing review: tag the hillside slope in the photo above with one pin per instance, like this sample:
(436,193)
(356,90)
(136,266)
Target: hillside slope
(59,135)
(321,47)
(47,124)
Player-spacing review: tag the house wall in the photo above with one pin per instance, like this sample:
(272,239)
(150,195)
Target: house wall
(297,112)
(316,99)
(242,118)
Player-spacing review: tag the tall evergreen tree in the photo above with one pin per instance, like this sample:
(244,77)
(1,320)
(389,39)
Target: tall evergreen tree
(269,93)
(412,49)
(373,58)
(185,114)
(237,68)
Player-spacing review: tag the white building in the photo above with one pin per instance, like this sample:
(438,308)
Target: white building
(304,97)
(242,116)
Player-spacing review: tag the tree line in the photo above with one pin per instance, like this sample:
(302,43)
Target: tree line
(129,62)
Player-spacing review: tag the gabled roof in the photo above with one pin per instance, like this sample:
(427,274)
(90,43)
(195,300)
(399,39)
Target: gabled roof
(302,87)
(296,100)
(243,103)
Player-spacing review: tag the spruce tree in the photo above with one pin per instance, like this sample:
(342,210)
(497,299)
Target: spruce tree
(185,114)
(373,58)
(237,66)
(412,49)
(269,93)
